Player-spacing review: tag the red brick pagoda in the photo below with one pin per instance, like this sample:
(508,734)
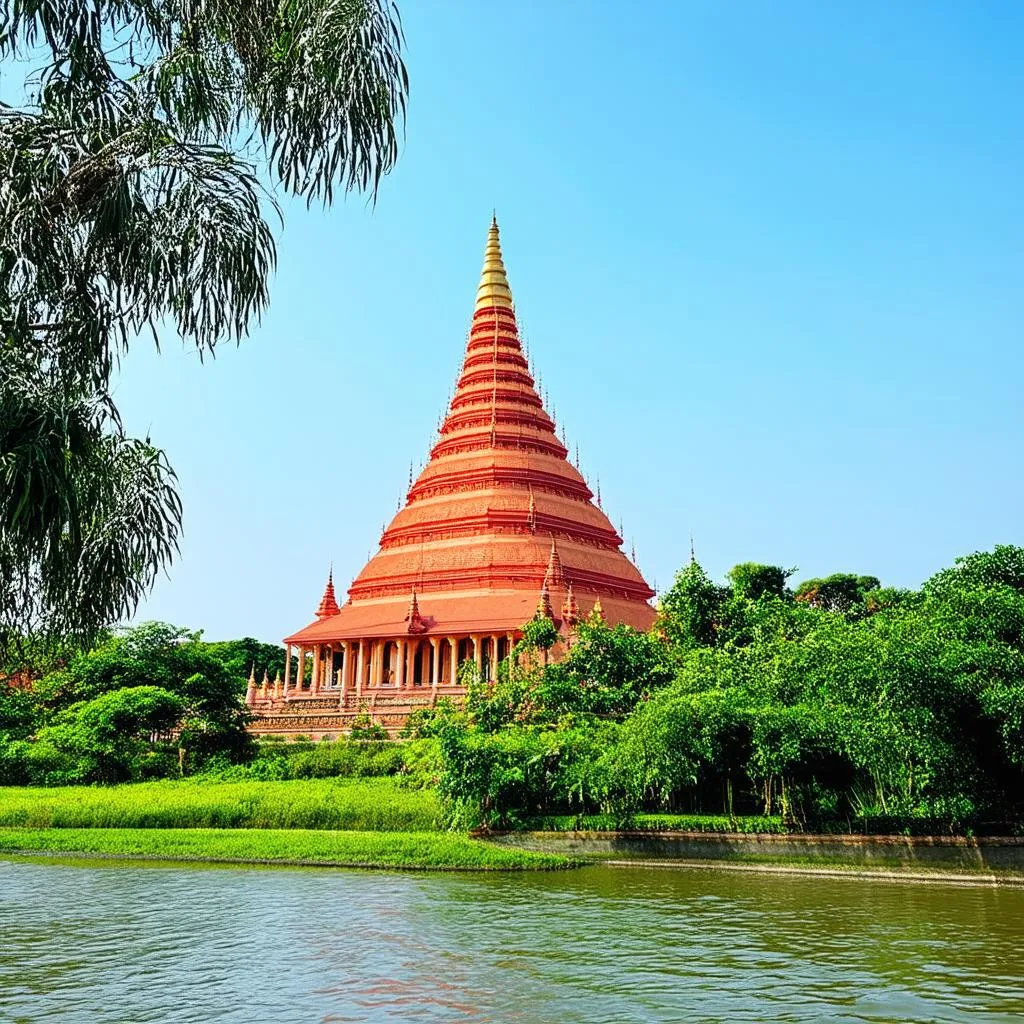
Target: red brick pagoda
(497,528)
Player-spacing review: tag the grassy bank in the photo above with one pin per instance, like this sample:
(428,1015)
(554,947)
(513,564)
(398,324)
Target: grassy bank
(411,850)
(369,805)
(712,823)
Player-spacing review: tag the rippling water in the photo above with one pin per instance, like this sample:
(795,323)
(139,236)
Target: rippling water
(124,944)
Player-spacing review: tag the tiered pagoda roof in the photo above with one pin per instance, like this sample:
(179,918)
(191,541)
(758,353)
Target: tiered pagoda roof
(496,510)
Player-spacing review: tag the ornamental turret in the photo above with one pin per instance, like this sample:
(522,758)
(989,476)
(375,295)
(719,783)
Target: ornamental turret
(544,609)
(570,608)
(328,603)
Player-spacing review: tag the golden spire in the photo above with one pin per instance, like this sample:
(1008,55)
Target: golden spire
(493,289)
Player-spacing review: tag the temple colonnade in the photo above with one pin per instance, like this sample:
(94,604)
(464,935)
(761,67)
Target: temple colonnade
(399,664)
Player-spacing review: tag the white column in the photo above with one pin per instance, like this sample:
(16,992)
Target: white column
(435,662)
(360,668)
(400,651)
(314,682)
(478,654)
(454,642)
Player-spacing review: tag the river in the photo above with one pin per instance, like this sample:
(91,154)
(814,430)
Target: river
(125,944)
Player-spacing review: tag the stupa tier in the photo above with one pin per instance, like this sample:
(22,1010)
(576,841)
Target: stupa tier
(498,527)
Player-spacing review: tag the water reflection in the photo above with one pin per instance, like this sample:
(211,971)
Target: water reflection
(138,944)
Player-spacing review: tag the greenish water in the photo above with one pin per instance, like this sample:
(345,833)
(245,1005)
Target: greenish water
(125,944)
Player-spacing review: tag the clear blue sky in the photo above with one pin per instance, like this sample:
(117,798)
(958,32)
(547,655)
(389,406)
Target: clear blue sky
(769,259)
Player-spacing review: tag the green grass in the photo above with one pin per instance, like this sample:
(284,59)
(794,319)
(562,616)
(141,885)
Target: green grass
(369,805)
(437,851)
(711,823)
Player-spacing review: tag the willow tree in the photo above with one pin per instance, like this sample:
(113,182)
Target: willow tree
(137,183)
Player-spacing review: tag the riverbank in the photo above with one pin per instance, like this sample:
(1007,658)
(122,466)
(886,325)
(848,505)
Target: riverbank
(410,851)
(796,851)
(379,822)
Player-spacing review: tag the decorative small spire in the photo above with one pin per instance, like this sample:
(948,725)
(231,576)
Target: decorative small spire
(693,554)
(599,492)
(417,624)
(328,603)
(553,577)
(632,552)
(493,289)
(570,609)
(544,609)
(597,611)
(577,455)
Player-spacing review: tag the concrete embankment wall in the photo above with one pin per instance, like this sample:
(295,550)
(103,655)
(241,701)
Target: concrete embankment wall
(998,853)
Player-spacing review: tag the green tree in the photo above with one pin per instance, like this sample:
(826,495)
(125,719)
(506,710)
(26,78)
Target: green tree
(607,670)
(133,201)
(1002,566)
(240,657)
(752,581)
(114,737)
(841,592)
(688,612)
(212,714)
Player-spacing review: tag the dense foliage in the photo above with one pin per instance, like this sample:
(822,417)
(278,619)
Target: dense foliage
(836,702)
(142,703)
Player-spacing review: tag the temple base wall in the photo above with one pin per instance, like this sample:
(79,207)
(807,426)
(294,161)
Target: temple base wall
(327,715)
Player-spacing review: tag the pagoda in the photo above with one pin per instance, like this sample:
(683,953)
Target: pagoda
(498,527)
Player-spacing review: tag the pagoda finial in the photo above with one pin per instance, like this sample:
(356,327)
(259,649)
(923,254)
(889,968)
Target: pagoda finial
(598,492)
(328,603)
(493,289)
(693,554)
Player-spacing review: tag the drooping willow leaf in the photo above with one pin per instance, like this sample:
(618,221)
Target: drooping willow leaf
(136,198)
